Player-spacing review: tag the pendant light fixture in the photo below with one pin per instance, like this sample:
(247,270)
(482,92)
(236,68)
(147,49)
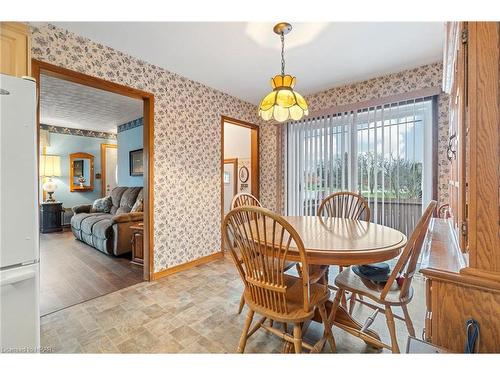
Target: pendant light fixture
(283,103)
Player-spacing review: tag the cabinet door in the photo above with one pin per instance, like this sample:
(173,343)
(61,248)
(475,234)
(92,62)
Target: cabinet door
(458,138)
(15,49)
(137,248)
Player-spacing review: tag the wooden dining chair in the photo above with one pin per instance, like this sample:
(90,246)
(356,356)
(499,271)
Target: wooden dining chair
(239,200)
(263,240)
(397,291)
(316,273)
(347,205)
(244,199)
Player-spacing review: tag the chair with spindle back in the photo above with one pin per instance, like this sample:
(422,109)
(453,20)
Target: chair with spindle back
(244,199)
(347,205)
(264,241)
(239,200)
(397,291)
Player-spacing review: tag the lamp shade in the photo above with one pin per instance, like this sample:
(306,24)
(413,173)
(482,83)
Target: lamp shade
(283,103)
(50,165)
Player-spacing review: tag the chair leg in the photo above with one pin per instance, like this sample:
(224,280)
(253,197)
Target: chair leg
(352,302)
(244,334)
(297,338)
(392,329)
(335,305)
(409,323)
(242,304)
(328,327)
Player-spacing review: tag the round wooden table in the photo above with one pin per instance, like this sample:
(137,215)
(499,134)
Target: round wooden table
(345,242)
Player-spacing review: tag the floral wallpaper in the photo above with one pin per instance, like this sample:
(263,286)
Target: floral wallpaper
(187,178)
(425,76)
(187,141)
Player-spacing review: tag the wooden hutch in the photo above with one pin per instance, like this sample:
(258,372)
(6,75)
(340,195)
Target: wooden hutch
(462,261)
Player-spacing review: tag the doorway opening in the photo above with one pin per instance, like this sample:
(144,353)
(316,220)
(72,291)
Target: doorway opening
(240,168)
(95,149)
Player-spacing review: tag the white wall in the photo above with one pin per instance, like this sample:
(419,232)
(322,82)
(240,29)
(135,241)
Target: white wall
(237,141)
(237,144)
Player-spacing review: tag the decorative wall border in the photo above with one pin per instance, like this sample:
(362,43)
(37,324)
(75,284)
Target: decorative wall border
(78,132)
(130,125)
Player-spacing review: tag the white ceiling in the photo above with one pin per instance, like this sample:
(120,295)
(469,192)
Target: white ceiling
(239,58)
(68,104)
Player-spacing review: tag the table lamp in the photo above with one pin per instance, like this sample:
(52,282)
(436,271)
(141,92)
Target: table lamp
(50,166)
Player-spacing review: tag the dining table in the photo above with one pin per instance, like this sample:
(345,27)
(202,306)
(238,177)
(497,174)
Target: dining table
(335,241)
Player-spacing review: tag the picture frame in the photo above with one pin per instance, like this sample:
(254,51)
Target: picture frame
(136,162)
(244,174)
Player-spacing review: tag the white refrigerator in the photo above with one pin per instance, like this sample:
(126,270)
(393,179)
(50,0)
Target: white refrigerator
(19,241)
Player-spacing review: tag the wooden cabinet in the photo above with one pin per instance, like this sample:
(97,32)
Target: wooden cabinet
(138,243)
(462,265)
(51,217)
(15,49)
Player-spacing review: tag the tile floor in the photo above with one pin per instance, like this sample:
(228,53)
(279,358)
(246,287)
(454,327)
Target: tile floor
(190,312)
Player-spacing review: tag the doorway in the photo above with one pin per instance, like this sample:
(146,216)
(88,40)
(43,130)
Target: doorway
(230,182)
(109,164)
(240,169)
(98,175)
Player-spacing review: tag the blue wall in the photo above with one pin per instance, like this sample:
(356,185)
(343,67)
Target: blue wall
(65,144)
(129,138)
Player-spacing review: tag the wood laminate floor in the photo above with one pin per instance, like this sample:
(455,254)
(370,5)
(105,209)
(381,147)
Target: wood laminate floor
(194,311)
(72,272)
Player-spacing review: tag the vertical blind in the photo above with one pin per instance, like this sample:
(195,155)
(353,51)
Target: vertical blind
(383,153)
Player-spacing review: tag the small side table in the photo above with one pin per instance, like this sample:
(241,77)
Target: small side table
(137,243)
(51,217)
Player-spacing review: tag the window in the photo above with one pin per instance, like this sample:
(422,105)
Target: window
(383,153)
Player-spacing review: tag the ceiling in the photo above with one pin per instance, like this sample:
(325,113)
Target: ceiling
(71,105)
(239,58)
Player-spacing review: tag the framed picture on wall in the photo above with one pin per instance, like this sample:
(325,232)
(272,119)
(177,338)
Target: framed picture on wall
(244,174)
(136,162)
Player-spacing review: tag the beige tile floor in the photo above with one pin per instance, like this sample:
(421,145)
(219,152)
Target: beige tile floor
(190,312)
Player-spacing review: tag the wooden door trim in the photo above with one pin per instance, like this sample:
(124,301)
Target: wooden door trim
(254,160)
(233,161)
(104,146)
(148,114)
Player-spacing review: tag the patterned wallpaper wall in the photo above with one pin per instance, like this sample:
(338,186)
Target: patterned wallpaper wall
(187,136)
(425,76)
(187,141)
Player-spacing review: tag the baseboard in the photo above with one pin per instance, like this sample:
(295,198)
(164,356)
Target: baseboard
(188,265)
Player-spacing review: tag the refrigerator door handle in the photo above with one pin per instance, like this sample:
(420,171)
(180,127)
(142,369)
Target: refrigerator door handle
(17,277)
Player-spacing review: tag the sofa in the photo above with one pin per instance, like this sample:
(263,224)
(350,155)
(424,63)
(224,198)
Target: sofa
(108,230)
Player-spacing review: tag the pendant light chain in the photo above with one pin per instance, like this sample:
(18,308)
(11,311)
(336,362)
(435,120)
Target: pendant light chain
(282,54)
(283,103)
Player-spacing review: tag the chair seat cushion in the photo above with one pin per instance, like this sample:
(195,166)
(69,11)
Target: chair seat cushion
(351,282)
(377,272)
